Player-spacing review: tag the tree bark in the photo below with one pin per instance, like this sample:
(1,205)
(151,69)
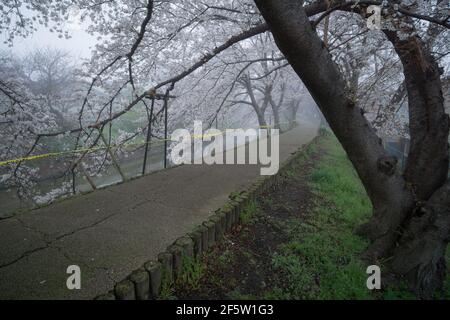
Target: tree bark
(420,254)
(428,158)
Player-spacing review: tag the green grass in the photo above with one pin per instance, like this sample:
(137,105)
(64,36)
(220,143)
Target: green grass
(248,212)
(320,261)
(192,270)
(167,286)
(335,181)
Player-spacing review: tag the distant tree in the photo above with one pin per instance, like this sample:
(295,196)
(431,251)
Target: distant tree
(51,76)
(22,117)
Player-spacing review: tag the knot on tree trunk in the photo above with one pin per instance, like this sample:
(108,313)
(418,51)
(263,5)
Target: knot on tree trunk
(387,165)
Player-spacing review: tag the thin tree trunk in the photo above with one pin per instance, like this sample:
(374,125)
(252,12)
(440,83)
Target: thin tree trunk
(261,119)
(276,117)
(277,106)
(294,106)
(259,110)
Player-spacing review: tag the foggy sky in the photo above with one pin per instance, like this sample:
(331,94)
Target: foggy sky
(78,46)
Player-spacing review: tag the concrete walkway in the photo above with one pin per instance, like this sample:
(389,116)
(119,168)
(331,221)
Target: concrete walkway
(113,231)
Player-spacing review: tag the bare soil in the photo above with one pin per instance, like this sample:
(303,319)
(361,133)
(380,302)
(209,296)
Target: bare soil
(240,267)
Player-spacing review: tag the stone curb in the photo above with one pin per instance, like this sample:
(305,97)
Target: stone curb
(124,290)
(141,280)
(154,269)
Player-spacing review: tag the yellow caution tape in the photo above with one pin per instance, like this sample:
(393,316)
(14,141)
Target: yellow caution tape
(89,150)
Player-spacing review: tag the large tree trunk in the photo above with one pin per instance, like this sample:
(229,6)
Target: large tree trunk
(420,255)
(396,201)
(427,166)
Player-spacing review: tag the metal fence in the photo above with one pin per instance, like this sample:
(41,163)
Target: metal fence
(399,147)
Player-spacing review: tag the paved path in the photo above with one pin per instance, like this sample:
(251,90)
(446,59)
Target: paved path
(113,231)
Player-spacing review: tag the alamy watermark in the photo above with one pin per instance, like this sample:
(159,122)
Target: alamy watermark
(74,18)
(374,280)
(383,16)
(74,280)
(216,147)
(374,21)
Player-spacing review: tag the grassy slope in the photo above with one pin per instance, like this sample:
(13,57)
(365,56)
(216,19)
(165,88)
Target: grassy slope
(321,257)
(318,258)
(329,251)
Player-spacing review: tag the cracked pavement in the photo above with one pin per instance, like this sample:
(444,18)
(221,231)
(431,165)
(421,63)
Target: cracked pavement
(113,231)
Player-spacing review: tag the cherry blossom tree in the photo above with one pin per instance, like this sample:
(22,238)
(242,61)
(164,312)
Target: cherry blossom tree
(206,56)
